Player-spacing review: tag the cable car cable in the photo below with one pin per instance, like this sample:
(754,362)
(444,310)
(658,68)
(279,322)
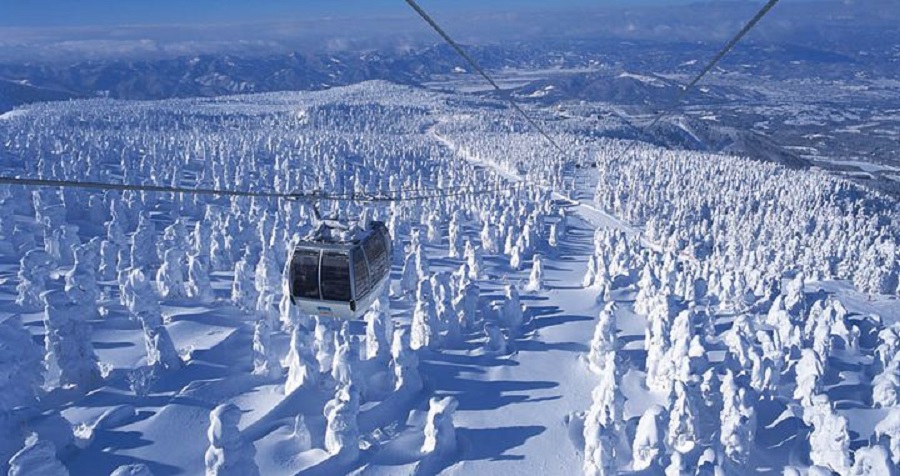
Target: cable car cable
(474,64)
(709,66)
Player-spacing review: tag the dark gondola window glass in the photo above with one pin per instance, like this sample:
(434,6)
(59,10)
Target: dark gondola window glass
(360,273)
(376,251)
(306,274)
(335,276)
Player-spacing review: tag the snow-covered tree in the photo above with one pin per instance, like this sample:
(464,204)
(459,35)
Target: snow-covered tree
(440,435)
(809,375)
(536,279)
(600,452)
(346,369)
(143,305)
(324,343)
(22,367)
(341,429)
(69,352)
(301,436)
(265,362)
(243,290)
(738,422)
(872,460)
(38,457)
(143,249)
(511,315)
(409,275)
(405,363)
(228,454)
(303,369)
(683,434)
(198,284)
(379,329)
(888,429)
(81,280)
(34,270)
(424,330)
(170,276)
(829,439)
(605,339)
(886,385)
(649,438)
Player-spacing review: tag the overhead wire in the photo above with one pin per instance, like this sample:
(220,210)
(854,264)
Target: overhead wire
(398,195)
(474,64)
(686,89)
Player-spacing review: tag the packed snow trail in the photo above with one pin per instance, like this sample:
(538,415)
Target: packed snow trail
(513,407)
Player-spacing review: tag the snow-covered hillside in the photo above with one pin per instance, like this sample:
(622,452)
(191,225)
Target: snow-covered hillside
(688,314)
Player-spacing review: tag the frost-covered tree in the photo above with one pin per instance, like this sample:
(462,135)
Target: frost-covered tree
(605,339)
(683,434)
(109,256)
(38,457)
(424,330)
(404,363)
(143,305)
(809,375)
(536,279)
(515,256)
(829,439)
(21,362)
(888,346)
(267,283)
(511,315)
(466,305)
(738,422)
(346,368)
(170,276)
(494,340)
(198,284)
(34,270)
(682,336)
(228,454)
(243,290)
(303,368)
(872,460)
(600,452)
(409,275)
(794,299)
(440,435)
(265,362)
(379,329)
(341,428)
(660,369)
(888,429)
(648,287)
(324,343)
(143,249)
(69,353)
(301,436)
(474,260)
(886,385)
(81,280)
(649,439)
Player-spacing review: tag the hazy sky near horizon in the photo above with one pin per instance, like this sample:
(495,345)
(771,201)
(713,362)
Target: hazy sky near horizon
(37,13)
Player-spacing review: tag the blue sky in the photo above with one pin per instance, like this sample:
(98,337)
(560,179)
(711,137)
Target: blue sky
(131,12)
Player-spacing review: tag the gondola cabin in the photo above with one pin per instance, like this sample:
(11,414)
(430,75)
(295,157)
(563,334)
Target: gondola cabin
(341,274)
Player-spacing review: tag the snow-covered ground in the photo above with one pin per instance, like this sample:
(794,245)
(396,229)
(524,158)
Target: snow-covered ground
(686,312)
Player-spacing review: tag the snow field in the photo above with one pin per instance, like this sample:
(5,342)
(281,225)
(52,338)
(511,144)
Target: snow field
(723,329)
